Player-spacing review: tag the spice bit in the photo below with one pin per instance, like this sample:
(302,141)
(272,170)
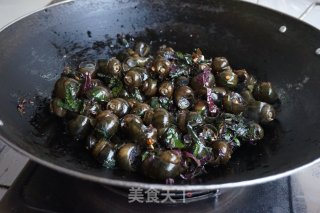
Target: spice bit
(21,106)
(150,141)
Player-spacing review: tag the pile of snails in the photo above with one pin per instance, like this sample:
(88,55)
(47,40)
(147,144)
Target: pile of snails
(165,115)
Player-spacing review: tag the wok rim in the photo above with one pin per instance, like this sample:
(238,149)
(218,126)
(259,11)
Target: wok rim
(143,185)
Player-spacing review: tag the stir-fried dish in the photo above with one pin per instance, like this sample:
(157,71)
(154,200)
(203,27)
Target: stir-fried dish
(165,115)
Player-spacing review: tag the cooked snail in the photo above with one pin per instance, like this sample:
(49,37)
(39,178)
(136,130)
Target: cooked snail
(118,106)
(264,92)
(184,97)
(165,115)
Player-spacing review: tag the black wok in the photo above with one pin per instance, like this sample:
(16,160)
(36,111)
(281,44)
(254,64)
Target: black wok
(34,50)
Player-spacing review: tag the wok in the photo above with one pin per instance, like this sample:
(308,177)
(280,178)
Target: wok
(34,50)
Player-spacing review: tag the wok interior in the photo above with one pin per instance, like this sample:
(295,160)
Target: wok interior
(34,51)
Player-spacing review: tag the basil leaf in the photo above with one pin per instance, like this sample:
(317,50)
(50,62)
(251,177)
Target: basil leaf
(116,86)
(145,155)
(188,59)
(154,103)
(71,102)
(136,94)
(172,139)
(180,55)
(199,149)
